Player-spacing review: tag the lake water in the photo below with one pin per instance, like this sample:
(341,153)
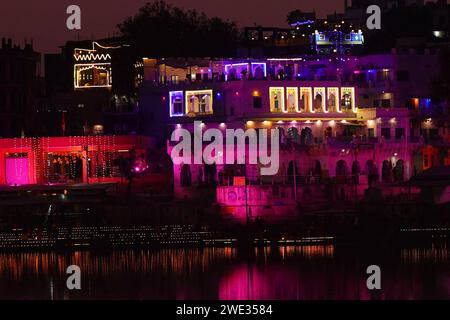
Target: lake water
(296,272)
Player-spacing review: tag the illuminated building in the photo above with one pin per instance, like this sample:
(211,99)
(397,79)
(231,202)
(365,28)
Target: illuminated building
(329,131)
(94,83)
(74,159)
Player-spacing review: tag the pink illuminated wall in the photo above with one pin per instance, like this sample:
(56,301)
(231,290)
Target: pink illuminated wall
(17,171)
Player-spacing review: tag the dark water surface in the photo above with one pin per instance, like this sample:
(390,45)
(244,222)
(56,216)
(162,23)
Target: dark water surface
(293,272)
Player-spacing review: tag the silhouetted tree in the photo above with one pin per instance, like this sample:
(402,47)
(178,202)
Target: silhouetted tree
(163,30)
(295,16)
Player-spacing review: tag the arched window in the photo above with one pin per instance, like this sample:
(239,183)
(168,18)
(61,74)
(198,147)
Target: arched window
(259,73)
(306,136)
(276,102)
(193,104)
(356,170)
(328,132)
(204,103)
(177,106)
(346,102)
(371,172)
(386,171)
(280,74)
(399,171)
(318,102)
(332,103)
(232,74)
(341,168)
(303,106)
(293,133)
(291,102)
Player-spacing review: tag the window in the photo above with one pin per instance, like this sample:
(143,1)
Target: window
(348,99)
(176,103)
(332,101)
(306,99)
(382,103)
(399,133)
(292,99)
(174,79)
(257,102)
(402,75)
(276,99)
(93,75)
(371,133)
(386,133)
(199,101)
(319,101)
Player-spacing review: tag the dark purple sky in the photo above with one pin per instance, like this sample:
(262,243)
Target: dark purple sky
(45,20)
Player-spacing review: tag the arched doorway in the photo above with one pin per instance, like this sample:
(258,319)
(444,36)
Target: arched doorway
(371,171)
(341,168)
(232,74)
(386,171)
(399,171)
(356,170)
(292,169)
(329,132)
(306,136)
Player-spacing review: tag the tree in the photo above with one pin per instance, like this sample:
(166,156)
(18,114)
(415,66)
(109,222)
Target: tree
(163,30)
(295,16)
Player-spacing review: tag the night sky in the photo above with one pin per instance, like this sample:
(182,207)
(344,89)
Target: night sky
(45,20)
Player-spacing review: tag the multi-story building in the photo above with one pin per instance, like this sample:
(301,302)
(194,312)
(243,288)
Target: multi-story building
(92,88)
(343,119)
(21,88)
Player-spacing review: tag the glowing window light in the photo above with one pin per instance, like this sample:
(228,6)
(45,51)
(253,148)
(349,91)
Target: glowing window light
(199,101)
(241,64)
(277,98)
(332,100)
(78,76)
(267,123)
(318,91)
(250,123)
(292,99)
(306,96)
(348,97)
(176,103)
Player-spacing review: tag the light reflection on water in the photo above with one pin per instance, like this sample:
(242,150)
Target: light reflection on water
(291,272)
